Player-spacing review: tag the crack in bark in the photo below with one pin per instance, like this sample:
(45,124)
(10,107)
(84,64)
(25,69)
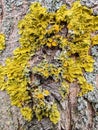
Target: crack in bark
(70,114)
(72,102)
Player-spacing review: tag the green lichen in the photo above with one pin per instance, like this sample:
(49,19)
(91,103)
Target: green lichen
(41,29)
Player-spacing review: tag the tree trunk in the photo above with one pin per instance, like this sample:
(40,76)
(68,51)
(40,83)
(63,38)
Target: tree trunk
(76,113)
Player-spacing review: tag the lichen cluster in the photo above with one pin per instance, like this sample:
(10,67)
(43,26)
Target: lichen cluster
(41,29)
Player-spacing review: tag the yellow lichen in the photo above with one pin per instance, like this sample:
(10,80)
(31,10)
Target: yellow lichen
(43,108)
(46,92)
(2,42)
(27,113)
(95,40)
(54,114)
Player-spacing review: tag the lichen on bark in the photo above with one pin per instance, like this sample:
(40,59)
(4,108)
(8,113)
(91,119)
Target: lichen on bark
(58,98)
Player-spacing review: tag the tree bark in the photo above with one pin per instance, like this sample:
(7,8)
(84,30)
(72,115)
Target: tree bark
(76,113)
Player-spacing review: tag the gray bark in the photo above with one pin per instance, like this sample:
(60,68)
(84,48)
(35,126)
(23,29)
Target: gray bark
(76,113)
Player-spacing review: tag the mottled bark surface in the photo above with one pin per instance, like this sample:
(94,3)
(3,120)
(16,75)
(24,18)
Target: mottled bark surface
(76,113)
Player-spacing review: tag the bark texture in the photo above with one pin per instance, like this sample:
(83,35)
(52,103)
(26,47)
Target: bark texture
(76,113)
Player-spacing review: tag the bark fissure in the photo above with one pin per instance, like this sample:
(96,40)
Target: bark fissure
(91,113)
(70,113)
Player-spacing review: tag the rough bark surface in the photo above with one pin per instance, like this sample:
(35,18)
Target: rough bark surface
(76,113)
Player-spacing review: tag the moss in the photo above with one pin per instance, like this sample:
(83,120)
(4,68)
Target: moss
(42,29)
